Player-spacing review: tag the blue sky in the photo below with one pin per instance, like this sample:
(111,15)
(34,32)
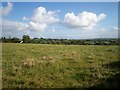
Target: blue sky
(80,20)
(60,0)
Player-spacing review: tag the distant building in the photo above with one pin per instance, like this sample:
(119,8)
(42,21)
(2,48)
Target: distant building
(21,41)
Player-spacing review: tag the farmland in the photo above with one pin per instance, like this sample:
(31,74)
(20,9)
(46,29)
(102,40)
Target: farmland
(59,66)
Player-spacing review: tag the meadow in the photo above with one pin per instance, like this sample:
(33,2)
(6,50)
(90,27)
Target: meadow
(59,66)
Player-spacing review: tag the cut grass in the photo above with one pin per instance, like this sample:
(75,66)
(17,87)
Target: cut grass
(58,66)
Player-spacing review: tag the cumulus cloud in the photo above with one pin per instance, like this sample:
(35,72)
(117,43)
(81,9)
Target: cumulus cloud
(42,18)
(13,26)
(84,20)
(37,26)
(7,9)
(101,16)
(38,22)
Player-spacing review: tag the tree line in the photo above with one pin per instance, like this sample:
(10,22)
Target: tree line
(27,39)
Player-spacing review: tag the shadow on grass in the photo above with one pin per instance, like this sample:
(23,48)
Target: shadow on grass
(112,81)
(113,65)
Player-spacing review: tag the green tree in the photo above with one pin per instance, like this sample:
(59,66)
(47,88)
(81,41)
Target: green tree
(15,40)
(26,39)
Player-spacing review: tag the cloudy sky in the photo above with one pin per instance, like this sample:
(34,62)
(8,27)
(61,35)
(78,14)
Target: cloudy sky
(80,20)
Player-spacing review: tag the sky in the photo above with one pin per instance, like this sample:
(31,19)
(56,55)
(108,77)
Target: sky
(61,0)
(64,20)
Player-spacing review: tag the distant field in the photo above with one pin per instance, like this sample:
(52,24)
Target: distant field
(59,66)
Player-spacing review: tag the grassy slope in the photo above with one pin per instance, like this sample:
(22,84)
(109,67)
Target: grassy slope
(34,65)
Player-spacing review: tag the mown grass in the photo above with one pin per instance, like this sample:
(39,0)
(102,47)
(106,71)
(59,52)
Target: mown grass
(58,66)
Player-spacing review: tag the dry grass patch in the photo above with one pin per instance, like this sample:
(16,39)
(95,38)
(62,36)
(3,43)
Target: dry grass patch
(48,58)
(29,62)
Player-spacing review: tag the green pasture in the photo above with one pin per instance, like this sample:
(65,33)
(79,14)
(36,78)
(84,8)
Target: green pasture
(59,66)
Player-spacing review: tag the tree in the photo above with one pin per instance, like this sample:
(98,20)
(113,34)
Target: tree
(3,39)
(26,39)
(15,40)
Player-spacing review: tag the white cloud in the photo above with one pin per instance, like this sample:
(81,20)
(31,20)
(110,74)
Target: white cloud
(39,21)
(53,29)
(25,18)
(13,26)
(7,9)
(84,20)
(37,26)
(115,28)
(103,30)
(107,33)
(42,18)
(101,16)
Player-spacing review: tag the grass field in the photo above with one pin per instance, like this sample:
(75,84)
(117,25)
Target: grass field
(59,66)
